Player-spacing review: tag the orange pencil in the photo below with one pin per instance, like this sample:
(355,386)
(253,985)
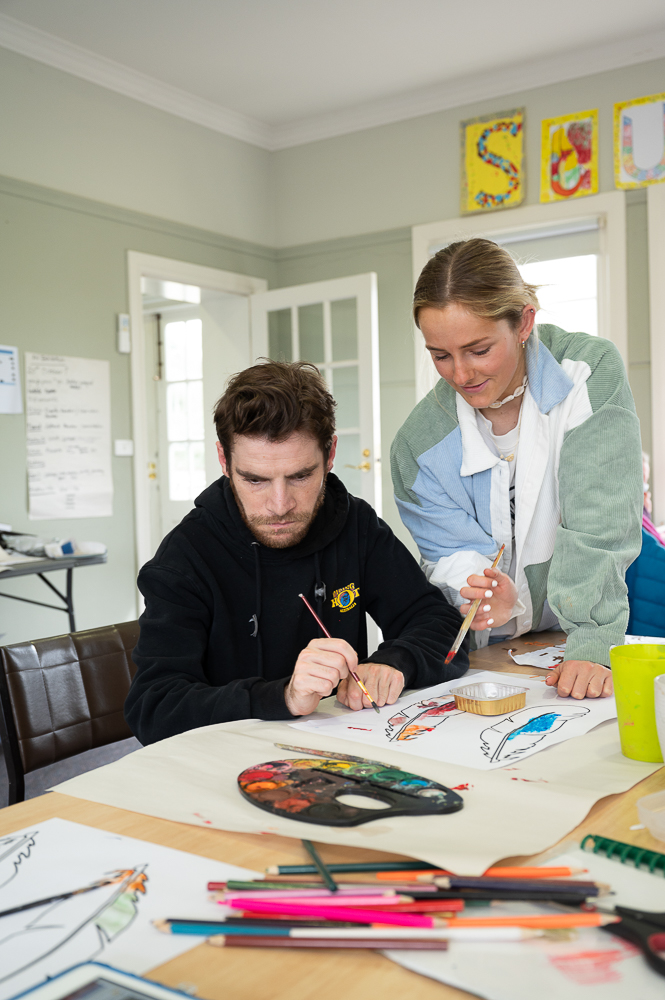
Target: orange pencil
(432,873)
(551,921)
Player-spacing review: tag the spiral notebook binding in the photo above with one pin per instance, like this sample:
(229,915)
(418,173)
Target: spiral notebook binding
(640,857)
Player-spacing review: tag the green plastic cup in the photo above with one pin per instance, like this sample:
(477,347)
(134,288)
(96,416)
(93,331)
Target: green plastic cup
(634,669)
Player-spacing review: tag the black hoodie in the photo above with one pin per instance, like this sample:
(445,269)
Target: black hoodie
(223,626)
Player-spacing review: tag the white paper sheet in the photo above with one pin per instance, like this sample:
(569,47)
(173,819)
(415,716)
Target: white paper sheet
(594,966)
(550,656)
(111,924)
(428,724)
(517,810)
(10,380)
(68,437)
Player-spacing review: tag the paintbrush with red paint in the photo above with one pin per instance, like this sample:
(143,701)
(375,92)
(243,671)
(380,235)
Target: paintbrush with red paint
(466,624)
(352,672)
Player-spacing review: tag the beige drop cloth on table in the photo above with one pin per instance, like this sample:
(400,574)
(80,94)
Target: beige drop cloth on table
(523,809)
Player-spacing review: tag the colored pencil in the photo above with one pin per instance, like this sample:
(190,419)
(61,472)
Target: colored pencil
(342,931)
(321,868)
(245,902)
(428,875)
(375,892)
(365,866)
(466,624)
(386,916)
(569,886)
(234,941)
(352,672)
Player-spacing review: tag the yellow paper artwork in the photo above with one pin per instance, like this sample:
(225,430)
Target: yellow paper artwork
(639,142)
(569,156)
(493,161)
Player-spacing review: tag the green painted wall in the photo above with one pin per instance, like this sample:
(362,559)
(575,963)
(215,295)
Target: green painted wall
(63,279)
(65,133)
(408,173)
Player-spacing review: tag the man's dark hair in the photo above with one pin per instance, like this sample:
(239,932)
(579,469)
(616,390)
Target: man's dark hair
(273,400)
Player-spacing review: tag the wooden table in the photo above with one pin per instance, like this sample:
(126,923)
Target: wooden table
(235,974)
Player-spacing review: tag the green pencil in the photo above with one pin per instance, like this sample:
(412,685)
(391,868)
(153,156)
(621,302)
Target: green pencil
(365,866)
(320,867)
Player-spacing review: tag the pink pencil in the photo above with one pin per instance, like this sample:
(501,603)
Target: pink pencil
(351,914)
(323,894)
(247,902)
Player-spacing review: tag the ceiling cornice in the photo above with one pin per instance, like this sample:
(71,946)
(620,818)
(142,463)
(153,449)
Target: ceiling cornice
(80,62)
(46,48)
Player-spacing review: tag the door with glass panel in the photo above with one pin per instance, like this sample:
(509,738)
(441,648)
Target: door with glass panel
(333,324)
(195,338)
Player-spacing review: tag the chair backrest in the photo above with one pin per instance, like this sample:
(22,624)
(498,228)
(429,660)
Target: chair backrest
(63,695)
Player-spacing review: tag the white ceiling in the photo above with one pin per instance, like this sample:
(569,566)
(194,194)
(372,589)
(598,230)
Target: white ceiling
(281,72)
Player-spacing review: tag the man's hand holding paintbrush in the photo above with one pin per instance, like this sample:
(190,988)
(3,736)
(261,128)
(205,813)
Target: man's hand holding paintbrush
(326,664)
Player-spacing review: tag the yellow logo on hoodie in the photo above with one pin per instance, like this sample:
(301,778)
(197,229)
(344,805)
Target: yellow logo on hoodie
(345,597)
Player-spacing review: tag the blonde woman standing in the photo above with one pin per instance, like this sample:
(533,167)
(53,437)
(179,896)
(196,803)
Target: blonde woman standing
(529,439)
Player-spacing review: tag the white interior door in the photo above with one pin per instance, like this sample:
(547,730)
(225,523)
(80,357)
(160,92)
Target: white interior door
(333,324)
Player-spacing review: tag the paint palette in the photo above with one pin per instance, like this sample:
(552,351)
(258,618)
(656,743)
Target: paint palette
(308,789)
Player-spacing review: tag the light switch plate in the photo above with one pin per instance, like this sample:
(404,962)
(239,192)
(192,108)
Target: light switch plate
(124,338)
(123,447)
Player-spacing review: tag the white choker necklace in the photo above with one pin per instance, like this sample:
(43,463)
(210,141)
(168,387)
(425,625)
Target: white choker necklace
(518,392)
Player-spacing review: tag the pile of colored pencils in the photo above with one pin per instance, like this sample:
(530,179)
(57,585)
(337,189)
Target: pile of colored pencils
(401,907)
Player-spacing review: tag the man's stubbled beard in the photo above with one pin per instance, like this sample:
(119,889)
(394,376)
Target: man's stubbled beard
(303,521)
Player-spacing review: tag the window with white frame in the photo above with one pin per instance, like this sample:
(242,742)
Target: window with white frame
(183,355)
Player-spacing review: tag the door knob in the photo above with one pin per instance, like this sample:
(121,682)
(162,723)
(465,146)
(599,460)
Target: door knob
(364,466)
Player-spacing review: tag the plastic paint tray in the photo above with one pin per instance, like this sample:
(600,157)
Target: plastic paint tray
(651,810)
(489,698)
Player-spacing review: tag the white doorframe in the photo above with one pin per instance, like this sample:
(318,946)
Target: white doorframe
(141,265)
(607,210)
(656,225)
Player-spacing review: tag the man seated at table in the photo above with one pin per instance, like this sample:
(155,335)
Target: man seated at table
(224,634)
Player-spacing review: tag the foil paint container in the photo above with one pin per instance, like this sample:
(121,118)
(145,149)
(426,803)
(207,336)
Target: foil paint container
(489,698)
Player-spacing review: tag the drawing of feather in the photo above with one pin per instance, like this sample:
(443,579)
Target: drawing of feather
(13,850)
(421,717)
(510,738)
(77,929)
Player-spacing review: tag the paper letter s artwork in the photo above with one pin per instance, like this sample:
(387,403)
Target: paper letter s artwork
(492,161)
(639,142)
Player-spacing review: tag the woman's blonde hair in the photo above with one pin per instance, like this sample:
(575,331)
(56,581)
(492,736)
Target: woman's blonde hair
(478,275)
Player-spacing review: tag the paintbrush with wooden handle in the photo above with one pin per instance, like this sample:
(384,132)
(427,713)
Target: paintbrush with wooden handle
(466,624)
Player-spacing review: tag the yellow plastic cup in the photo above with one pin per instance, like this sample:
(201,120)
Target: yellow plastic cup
(634,669)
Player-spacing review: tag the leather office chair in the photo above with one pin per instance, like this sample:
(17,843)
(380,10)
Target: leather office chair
(62,696)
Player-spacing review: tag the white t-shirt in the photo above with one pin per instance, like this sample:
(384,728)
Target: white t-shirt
(504,445)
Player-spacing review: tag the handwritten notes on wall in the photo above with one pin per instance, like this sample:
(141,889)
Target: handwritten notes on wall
(10,383)
(68,403)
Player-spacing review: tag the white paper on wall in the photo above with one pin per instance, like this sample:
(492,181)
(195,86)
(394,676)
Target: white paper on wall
(10,381)
(68,437)
(111,924)
(427,724)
